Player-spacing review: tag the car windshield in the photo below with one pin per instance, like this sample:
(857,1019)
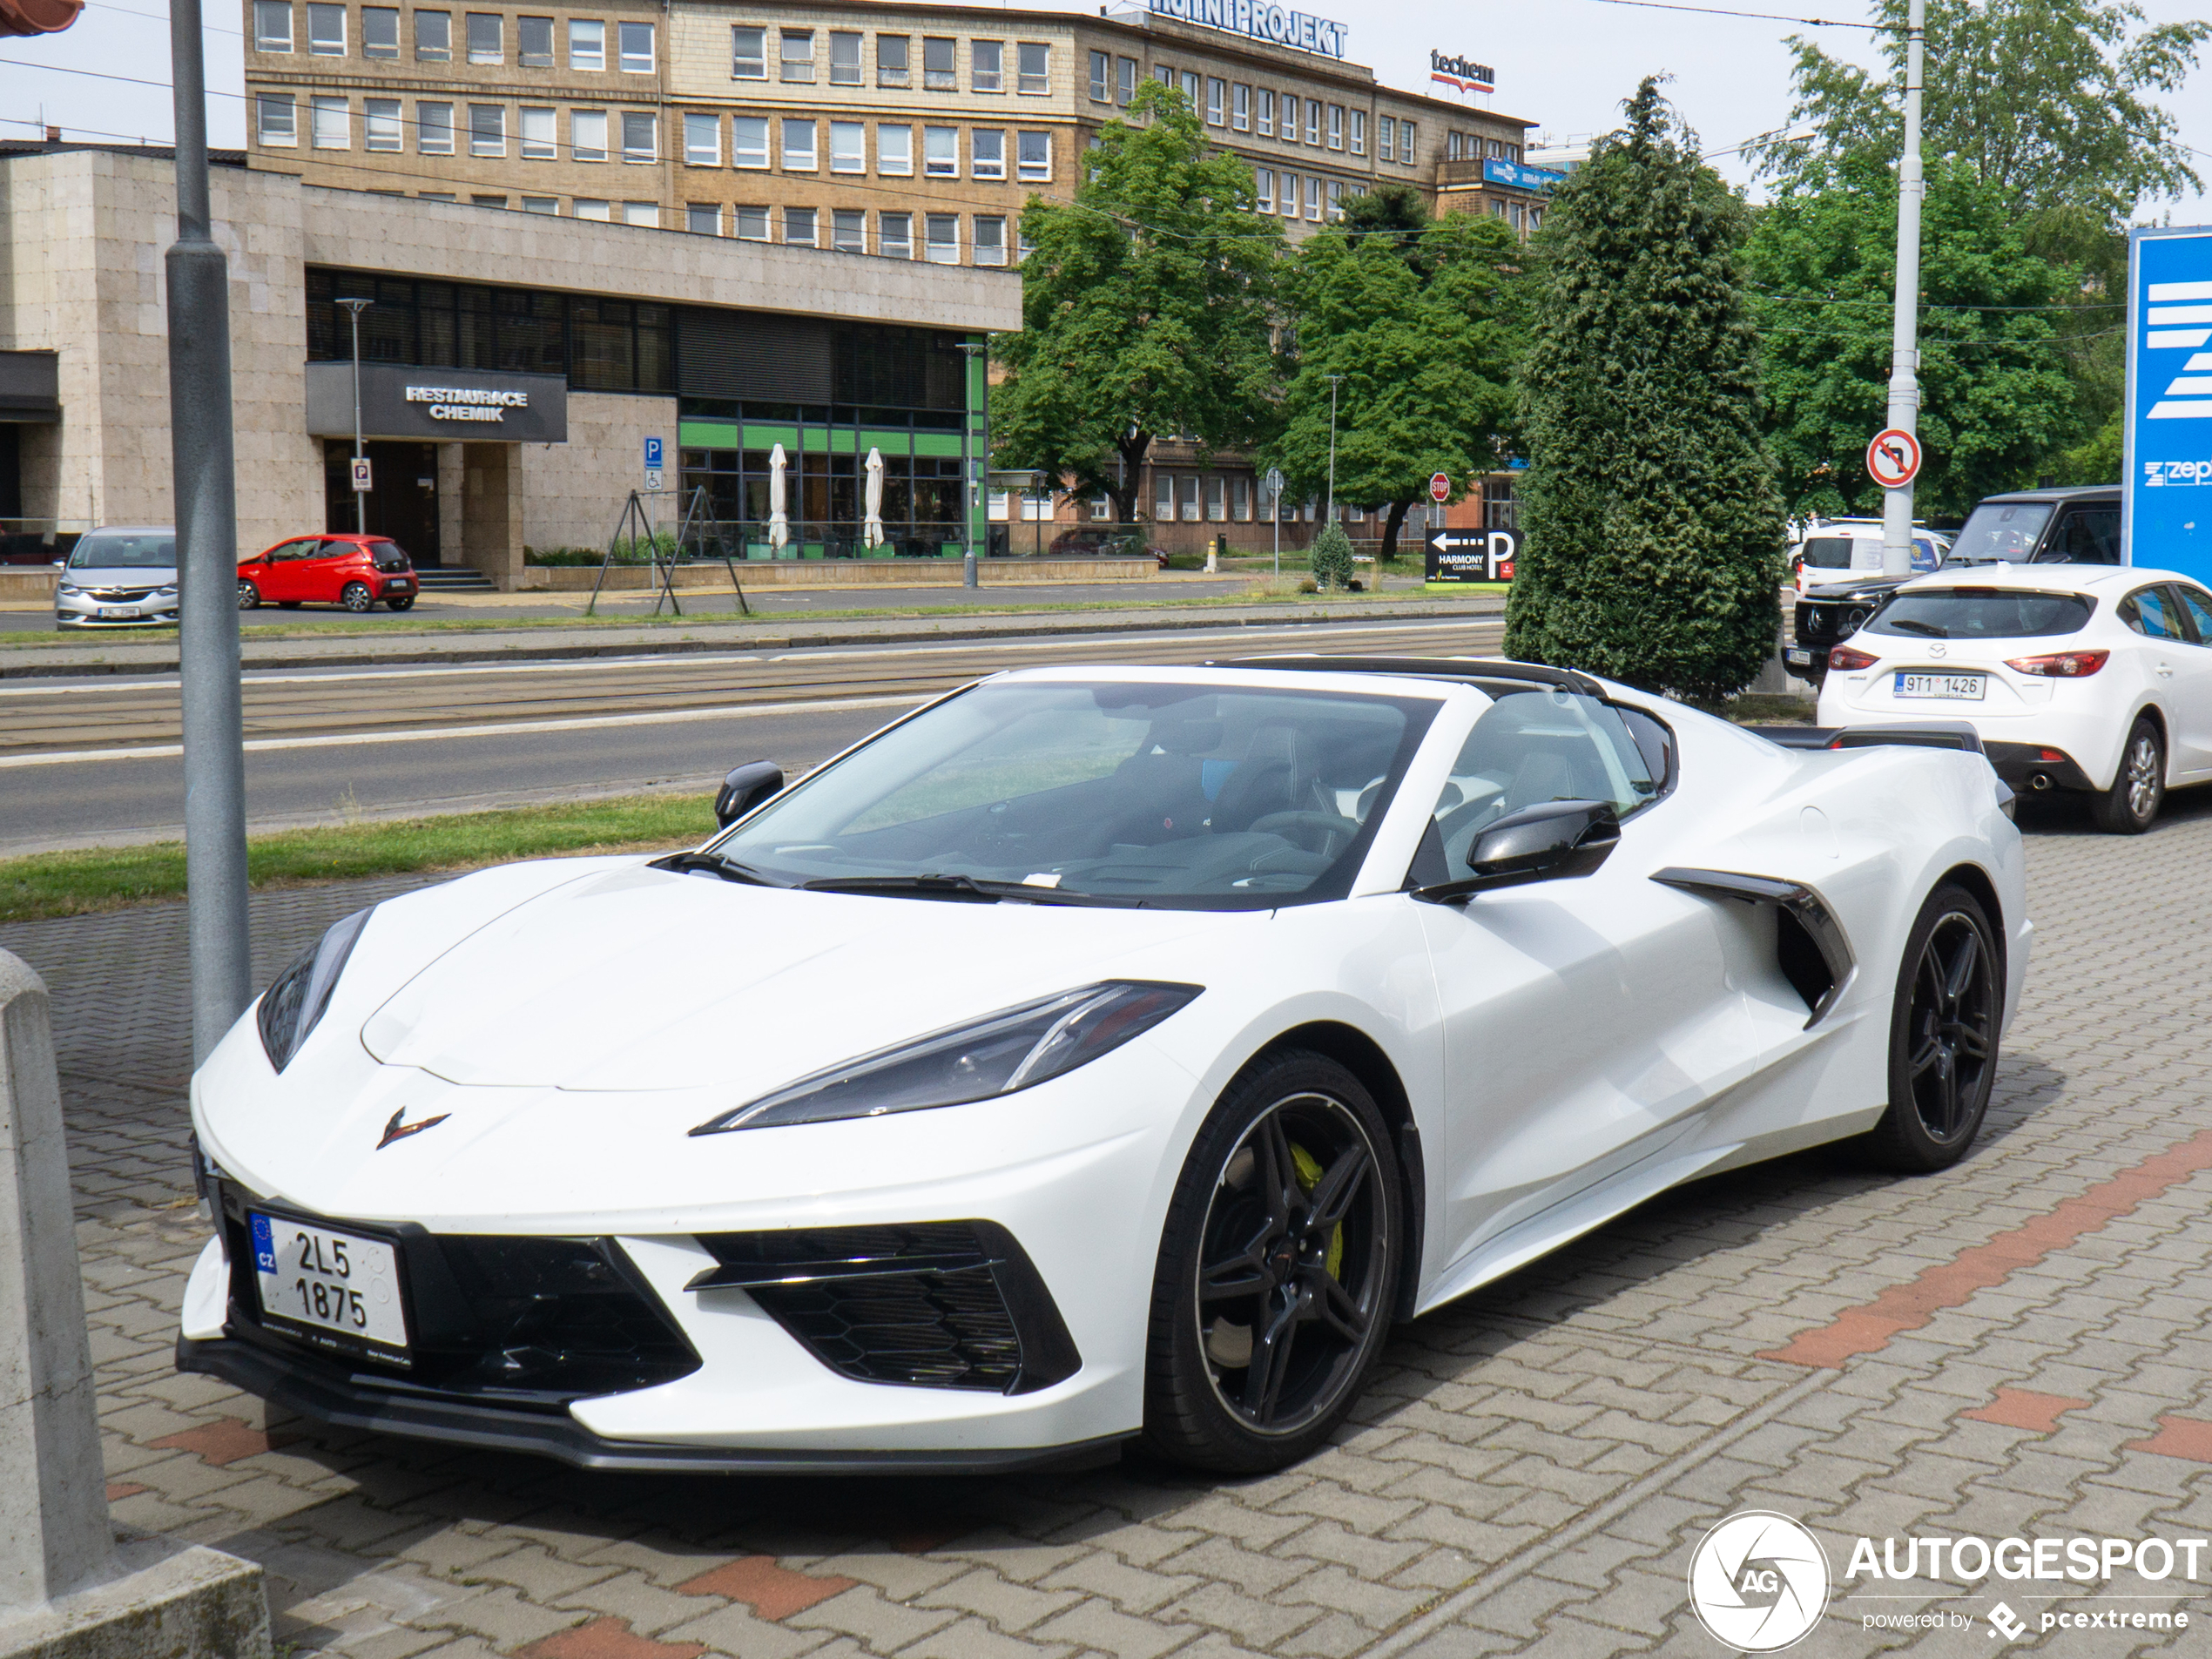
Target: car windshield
(1981,613)
(1183,795)
(126,550)
(2001,530)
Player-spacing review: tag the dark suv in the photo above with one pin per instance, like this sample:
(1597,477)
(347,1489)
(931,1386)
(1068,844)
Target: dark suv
(2077,526)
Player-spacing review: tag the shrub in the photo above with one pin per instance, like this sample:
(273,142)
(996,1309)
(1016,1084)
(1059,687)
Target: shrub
(1330,561)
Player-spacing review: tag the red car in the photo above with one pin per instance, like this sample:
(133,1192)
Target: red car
(355,571)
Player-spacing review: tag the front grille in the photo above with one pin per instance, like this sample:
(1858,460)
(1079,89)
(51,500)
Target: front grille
(932,1304)
(117,596)
(519,1320)
(1825,623)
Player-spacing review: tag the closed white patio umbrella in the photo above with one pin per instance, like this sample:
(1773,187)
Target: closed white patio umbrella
(871,532)
(778,526)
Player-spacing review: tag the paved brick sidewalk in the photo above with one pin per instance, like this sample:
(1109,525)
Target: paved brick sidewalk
(2018,1346)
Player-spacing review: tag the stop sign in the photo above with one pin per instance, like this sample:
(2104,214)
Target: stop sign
(1440,486)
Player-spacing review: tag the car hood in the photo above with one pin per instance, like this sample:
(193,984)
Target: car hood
(638,979)
(145,576)
(1859,588)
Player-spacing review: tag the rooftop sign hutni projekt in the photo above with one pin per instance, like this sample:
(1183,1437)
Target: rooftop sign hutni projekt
(1261,21)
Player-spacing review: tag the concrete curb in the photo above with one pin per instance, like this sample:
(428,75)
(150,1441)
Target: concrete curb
(169,1602)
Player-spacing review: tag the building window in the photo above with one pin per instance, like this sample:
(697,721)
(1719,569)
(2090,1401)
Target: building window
(327,31)
(849,230)
(893,67)
(1124,80)
(1406,143)
(433,128)
(1101,63)
(434,37)
(1217,101)
(941,231)
(1190,499)
(1263,189)
(273,27)
(798,49)
(332,125)
(380,31)
(1360,133)
(1451,146)
(848,146)
(749,54)
(487,129)
(1313,197)
(753,223)
(985,62)
(845,57)
(1336,199)
(987,152)
(587,44)
(637,41)
(798,226)
(276,120)
(894,235)
(1033,63)
(749,141)
(799,146)
(938,73)
(894,150)
(940,152)
(1240,108)
(587,135)
(1190,79)
(1290,119)
(538,134)
(1164,497)
(990,240)
(1385,139)
(703,219)
(499,202)
(1266,112)
(381,123)
(1313,122)
(590,207)
(487,37)
(542,204)
(640,135)
(702,140)
(645,213)
(1288,198)
(1335,126)
(1240,499)
(533,42)
(1217,500)
(1034,158)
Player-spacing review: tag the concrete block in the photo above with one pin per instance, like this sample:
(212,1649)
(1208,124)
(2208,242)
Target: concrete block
(168,1603)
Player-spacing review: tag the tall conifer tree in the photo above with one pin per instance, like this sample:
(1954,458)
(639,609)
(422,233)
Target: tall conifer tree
(1652,529)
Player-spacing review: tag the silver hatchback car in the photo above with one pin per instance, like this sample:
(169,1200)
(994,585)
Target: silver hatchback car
(120,575)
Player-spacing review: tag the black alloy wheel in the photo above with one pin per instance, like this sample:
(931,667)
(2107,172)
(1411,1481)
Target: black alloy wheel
(1943,1035)
(249,597)
(1278,1272)
(356,597)
(2131,805)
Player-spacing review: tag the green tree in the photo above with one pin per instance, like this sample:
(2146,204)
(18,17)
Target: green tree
(1419,320)
(2004,366)
(1146,309)
(1330,558)
(1652,530)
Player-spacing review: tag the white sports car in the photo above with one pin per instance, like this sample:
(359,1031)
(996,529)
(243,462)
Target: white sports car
(1096,1053)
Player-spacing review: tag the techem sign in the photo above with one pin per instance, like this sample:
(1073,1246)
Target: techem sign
(2167,513)
(1261,21)
(1463,74)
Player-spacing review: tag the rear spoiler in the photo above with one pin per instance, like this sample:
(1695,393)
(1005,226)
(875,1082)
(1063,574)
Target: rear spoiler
(1922,734)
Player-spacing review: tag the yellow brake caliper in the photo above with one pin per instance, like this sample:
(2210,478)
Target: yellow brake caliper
(1309,1177)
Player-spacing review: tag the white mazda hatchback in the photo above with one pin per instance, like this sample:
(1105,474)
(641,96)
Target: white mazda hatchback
(2096,679)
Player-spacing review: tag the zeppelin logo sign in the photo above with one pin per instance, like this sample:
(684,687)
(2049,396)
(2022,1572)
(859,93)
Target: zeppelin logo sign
(1262,22)
(467,402)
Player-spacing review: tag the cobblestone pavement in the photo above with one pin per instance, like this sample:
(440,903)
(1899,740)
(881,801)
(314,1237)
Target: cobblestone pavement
(2016,1348)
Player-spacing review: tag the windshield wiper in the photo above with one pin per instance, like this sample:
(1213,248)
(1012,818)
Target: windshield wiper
(1912,625)
(715,864)
(962,889)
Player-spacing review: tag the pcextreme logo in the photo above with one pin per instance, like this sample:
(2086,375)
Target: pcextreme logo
(1759,1581)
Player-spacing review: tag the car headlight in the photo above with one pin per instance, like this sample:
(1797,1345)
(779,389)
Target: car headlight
(169,593)
(69,587)
(290,1007)
(1013,1049)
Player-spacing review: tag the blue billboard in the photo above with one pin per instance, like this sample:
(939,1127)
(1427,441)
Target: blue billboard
(2167,519)
(1518,177)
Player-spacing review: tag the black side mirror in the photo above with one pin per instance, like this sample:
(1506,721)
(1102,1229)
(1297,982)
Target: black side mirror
(744,789)
(1550,841)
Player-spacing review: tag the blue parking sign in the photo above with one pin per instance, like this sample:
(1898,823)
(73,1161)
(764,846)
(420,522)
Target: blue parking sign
(653,455)
(2168,522)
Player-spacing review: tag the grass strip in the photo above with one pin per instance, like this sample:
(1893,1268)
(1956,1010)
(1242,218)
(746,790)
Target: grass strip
(45,885)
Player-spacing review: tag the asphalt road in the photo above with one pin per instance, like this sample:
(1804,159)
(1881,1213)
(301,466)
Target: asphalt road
(97,761)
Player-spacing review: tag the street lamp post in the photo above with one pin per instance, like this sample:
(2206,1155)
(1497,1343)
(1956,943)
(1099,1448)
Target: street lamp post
(361,495)
(1905,356)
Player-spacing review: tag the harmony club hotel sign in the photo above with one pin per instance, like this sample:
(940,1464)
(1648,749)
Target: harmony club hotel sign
(438,405)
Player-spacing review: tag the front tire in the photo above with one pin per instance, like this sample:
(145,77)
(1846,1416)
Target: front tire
(357,599)
(1277,1271)
(1943,1026)
(249,597)
(2138,789)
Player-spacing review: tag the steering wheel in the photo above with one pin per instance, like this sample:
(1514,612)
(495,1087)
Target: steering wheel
(1326,826)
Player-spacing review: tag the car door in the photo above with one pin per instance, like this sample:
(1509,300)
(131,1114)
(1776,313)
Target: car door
(2191,705)
(1588,1022)
(282,583)
(323,571)
(2151,613)
(2084,535)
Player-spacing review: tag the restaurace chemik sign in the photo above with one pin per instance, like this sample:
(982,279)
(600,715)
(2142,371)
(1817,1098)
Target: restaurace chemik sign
(1262,22)
(467,402)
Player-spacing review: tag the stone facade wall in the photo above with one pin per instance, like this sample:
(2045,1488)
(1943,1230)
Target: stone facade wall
(573,492)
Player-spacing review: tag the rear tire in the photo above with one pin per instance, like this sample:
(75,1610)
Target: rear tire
(357,599)
(407,604)
(1278,1270)
(1944,1025)
(2130,806)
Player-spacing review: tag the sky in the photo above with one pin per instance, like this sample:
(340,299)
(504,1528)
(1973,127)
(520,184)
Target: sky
(1565,64)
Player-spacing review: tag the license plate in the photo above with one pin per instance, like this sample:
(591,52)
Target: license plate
(338,1289)
(1968,687)
(118,613)
(1796,657)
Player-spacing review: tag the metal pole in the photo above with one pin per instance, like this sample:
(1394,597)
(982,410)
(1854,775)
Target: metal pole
(1905,356)
(205,488)
(1330,514)
(968,573)
(361,495)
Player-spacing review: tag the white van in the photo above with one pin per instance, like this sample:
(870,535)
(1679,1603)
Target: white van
(1843,549)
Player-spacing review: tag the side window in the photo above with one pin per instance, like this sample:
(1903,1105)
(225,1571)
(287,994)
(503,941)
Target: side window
(2198,603)
(2086,535)
(1540,745)
(300,550)
(2150,613)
